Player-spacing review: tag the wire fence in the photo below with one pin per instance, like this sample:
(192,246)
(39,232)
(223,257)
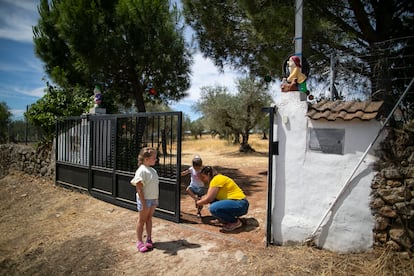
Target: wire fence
(381,71)
(23,132)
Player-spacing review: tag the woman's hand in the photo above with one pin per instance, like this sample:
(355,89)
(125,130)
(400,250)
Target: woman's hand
(209,197)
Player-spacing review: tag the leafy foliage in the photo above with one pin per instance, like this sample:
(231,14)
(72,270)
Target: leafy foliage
(123,46)
(371,40)
(56,103)
(234,115)
(197,127)
(5,116)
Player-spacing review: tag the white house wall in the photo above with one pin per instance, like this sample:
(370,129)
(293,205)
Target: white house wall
(306,182)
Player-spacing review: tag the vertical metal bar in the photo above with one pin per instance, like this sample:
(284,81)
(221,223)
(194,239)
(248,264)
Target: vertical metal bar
(159,142)
(66,142)
(178,167)
(137,147)
(107,131)
(56,150)
(88,137)
(113,155)
(171,143)
(98,136)
(26,130)
(84,142)
(72,131)
(91,157)
(271,111)
(108,144)
(62,140)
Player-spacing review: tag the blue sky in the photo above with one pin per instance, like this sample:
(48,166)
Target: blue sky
(21,72)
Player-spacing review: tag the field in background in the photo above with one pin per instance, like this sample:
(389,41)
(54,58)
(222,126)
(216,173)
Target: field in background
(221,152)
(248,170)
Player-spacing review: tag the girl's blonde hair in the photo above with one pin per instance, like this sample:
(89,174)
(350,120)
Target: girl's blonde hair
(145,152)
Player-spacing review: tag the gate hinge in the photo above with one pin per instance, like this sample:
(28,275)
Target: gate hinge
(275,148)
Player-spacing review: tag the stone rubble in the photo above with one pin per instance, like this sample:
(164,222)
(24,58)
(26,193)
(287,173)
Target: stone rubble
(392,201)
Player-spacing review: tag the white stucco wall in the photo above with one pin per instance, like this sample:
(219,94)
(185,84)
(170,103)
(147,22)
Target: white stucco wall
(306,183)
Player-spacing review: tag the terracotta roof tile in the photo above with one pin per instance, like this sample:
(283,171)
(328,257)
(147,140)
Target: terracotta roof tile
(346,111)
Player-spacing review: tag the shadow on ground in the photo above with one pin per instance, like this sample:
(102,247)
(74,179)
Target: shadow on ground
(172,247)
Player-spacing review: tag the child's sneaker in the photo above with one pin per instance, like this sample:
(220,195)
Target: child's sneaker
(142,247)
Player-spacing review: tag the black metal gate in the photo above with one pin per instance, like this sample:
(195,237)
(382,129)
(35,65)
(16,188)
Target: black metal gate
(98,154)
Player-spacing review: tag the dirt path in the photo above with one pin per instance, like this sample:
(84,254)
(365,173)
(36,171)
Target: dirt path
(253,181)
(50,230)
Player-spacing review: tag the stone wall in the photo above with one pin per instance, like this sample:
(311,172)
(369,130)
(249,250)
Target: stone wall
(38,162)
(392,201)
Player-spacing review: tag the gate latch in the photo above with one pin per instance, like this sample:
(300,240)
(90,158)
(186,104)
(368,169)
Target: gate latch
(275,148)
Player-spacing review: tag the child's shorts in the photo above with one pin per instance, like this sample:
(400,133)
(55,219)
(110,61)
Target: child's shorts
(200,191)
(149,202)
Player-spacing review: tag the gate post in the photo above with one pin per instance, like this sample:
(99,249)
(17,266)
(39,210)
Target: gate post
(273,150)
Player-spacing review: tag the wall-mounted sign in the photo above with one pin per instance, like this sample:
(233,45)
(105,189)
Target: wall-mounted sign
(327,140)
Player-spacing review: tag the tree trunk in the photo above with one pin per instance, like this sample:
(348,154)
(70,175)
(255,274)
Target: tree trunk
(244,146)
(142,121)
(381,80)
(139,98)
(236,139)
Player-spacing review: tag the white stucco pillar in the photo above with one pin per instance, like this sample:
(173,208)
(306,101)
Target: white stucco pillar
(291,134)
(306,182)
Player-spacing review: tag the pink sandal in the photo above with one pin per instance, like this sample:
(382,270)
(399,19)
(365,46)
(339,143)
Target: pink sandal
(149,244)
(141,247)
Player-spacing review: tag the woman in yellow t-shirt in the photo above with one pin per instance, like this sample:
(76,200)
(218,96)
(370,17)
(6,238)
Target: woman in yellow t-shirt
(228,201)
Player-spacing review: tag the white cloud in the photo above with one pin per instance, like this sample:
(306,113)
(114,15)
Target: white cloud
(37,92)
(9,67)
(34,65)
(205,73)
(17,113)
(29,65)
(17,19)
(17,92)
(29,5)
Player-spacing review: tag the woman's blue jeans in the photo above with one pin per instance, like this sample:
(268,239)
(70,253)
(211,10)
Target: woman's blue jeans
(229,210)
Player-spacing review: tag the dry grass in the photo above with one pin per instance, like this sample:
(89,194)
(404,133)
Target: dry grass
(220,152)
(312,261)
(207,142)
